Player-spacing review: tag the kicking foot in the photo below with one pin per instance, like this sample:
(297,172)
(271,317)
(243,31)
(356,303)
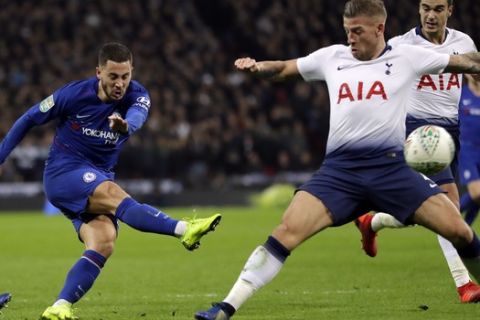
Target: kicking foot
(197,228)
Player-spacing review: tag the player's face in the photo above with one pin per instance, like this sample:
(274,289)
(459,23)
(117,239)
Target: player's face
(114,79)
(364,36)
(434,15)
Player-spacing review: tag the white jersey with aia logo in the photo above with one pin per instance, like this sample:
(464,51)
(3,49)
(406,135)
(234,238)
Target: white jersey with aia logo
(436,95)
(368,99)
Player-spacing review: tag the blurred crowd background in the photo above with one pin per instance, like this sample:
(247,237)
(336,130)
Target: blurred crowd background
(207,121)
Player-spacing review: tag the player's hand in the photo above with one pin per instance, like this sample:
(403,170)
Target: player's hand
(117,123)
(247,64)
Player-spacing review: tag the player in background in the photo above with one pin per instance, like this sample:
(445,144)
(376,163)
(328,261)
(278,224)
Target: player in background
(4,299)
(95,117)
(368,84)
(434,100)
(469,163)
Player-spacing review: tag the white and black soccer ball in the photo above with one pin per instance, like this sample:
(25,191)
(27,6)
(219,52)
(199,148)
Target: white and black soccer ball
(429,149)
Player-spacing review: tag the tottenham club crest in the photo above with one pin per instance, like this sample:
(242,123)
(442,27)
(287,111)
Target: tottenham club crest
(89,177)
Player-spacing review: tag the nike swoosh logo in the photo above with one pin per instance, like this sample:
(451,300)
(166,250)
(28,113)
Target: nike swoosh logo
(83,116)
(432,185)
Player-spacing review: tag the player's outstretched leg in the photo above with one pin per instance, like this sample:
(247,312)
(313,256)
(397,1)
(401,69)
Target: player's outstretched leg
(149,219)
(5,299)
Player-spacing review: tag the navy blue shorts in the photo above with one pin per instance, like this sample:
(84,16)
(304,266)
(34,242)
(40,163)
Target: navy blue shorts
(68,187)
(389,185)
(449,174)
(469,165)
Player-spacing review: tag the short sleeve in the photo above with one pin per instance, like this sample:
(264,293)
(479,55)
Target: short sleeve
(312,67)
(425,61)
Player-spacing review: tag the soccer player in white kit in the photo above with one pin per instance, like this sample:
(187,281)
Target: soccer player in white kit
(434,100)
(364,169)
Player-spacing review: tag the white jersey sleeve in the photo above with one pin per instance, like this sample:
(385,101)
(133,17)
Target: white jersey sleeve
(312,67)
(425,61)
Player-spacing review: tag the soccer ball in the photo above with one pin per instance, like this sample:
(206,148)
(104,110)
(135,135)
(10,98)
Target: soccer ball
(429,149)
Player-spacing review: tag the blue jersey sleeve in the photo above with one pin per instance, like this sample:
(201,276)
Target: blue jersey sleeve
(48,109)
(139,105)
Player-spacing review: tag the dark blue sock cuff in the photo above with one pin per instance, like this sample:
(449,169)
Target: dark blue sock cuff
(276,248)
(472,250)
(96,257)
(124,205)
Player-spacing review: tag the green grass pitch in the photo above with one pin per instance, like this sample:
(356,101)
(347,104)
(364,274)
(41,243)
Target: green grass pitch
(154,277)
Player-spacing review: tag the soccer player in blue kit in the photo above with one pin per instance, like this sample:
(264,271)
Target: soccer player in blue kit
(469,158)
(95,117)
(368,84)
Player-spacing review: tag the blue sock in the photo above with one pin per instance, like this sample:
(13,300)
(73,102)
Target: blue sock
(466,202)
(82,276)
(471,214)
(145,218)
(469,207)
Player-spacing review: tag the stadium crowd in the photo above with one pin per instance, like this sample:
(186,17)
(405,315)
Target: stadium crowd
(207,120)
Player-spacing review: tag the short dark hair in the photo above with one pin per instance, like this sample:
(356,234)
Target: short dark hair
(449,2)
(114,51)
(369,8)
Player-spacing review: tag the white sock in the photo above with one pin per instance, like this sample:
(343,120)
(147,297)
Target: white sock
(457,268)
(260,269)
(383,220)
(60,302)
(180,228)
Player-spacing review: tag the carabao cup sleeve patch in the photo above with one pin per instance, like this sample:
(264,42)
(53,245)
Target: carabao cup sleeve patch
(47,104)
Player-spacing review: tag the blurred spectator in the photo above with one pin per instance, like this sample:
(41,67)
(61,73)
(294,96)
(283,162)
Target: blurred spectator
(207,121)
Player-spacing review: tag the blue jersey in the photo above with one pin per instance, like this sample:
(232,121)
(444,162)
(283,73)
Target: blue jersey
(469,117)
(83,132)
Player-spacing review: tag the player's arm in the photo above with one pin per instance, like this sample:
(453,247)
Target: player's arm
(136,115)
(36,115)
(132,122)
(42,112)
(274,70)
(15,135)
(464,63)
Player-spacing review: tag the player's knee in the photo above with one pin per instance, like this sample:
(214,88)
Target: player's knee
(111,189)
(105,248)
(288,234)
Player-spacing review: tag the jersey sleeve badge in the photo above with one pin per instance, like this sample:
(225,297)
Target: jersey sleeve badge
(47,104)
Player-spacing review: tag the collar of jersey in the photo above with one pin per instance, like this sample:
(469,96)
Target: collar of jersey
(418,32)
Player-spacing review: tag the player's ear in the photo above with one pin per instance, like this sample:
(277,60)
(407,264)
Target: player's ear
(380,29)
(97,72)
(450,11)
